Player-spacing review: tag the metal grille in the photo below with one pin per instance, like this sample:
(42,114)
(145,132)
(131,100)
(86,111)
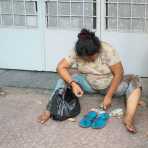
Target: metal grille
(18,13)
(127,15)
(71,13)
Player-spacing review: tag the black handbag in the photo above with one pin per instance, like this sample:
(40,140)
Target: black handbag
(65,104)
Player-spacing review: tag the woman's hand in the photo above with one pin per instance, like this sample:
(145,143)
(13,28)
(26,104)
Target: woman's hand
(107,102)
(77,89)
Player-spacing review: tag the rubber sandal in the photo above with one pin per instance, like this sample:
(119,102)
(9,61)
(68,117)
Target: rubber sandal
(88,119)
(100,121)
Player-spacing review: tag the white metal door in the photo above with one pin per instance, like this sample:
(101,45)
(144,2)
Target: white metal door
(64,18)
(124,24)
(36,34)
(21,34)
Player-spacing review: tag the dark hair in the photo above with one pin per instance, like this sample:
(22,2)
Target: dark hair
(87,44)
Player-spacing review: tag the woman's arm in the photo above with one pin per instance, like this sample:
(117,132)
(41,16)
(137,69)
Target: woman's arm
(62,69)
(117,71)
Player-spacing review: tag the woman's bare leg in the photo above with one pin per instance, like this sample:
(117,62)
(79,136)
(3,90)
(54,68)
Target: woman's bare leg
(132,103)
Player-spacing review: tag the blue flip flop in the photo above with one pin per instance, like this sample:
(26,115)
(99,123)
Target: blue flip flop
(88,119)
(100,121)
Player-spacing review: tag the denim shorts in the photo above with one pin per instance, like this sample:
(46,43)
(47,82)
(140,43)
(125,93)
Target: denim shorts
(125,88)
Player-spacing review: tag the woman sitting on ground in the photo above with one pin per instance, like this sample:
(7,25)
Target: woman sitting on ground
(101,71)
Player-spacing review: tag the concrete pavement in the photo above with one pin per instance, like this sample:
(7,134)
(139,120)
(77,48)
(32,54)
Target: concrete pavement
(23,102)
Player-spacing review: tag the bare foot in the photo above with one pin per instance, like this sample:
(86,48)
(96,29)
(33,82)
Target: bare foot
(129,125)
(44,117)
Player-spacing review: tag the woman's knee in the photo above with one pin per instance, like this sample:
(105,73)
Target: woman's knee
(134,83)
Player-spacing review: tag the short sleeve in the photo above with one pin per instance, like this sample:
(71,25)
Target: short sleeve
(71,58)
(111,55)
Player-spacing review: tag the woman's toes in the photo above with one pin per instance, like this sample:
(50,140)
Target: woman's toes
(129,126)
(43,117)
(131,129)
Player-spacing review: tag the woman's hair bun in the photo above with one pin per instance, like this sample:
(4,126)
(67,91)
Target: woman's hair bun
(86,35)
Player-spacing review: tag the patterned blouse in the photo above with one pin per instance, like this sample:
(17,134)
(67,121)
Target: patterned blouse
(98,72)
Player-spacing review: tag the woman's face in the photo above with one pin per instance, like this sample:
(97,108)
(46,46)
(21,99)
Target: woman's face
(91,58)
